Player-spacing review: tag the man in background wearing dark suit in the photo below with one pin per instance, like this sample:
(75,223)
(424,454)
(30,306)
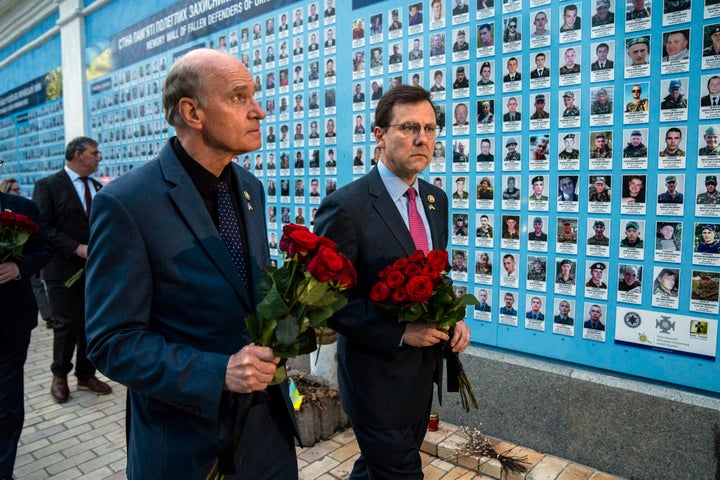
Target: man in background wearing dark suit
(19,317)
(65,201)
(166,311)
(386,368)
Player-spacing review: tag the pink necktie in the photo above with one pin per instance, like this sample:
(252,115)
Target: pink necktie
(417,227)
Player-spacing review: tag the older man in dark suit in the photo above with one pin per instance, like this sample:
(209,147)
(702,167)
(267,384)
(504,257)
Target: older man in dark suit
(65,201)
(385,368)
(177,247)
(19,317)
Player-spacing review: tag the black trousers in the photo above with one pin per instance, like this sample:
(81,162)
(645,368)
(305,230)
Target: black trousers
(68,305)
(13,353)
(390,454)
(41,296)
(269,447)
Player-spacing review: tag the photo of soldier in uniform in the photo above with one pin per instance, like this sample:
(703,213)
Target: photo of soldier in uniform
(569,151)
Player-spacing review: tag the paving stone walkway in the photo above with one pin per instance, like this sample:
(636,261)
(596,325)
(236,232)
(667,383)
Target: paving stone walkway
(85,439)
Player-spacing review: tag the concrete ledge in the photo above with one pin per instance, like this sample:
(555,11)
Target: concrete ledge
(632,428)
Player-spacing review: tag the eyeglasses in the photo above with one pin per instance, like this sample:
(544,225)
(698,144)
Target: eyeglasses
(636,90)
(512,26)
(412,130)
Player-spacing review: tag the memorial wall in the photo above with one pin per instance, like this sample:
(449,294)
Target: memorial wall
(579,147)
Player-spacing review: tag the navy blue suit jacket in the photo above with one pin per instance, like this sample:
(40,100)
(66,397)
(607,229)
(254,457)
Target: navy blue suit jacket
(382,384)
(16,296)
(166,309)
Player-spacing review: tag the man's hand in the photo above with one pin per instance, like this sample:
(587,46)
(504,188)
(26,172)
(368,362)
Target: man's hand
(8,271)
(250,369)
(82,251)
(461,337)
(420,334)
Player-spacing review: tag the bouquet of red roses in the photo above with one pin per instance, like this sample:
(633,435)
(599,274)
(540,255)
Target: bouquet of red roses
(297,300)
(15,230)
(299,297)
(417,288)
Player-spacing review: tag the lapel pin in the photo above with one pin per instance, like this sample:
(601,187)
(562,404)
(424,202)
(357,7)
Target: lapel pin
(431,198)
(247,195)
(250,209)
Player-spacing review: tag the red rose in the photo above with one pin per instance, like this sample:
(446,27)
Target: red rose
(395,279)
(400,263)
(347,277)
(419,289)
(438,259)
(400,295)
(379,292)
(431,273)
(417,256)
(412,269)
(10,219)
(325,265)
(297,239)
(327,242)
(385,271)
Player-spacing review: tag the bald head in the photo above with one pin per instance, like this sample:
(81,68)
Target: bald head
(189,77)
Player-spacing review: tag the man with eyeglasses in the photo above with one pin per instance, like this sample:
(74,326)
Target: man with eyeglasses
(376,353)
(65,199)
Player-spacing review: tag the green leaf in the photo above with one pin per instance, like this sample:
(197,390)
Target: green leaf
(307,342)
(266,281)
(71,281)
(282,278)
(469,299)
(287,330)
(268,331)
(318,317)
(311,292)
(287,351)
(254,327)
(272,305)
